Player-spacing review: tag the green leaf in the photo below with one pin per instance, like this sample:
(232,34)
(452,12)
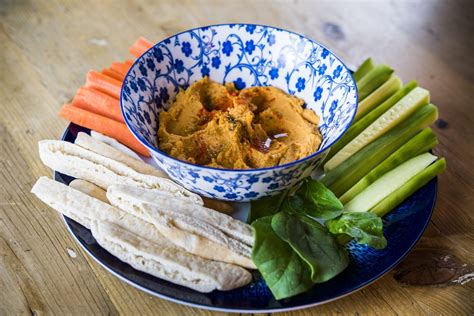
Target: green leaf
(313,243)
(294,205)
(284,272)
(315,199)
(365,228)
(264,207)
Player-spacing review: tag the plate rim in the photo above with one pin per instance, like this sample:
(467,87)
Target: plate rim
(237,310)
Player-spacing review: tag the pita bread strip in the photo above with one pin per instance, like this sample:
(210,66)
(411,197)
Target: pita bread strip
(221,206)
(89,189)
(177,231)
(83,209)
(229,226)
(184,222)
(101,148)
(197,244)
(168,263)
(115,144)
(84,164)
(53,194)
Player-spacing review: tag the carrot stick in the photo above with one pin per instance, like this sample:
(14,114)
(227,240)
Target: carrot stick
(103,83)
(113,74)
(129,62)
(103,125)
(120,68)
(99,103)
(140,46)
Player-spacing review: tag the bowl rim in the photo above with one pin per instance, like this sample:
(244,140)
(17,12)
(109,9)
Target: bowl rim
(155,150)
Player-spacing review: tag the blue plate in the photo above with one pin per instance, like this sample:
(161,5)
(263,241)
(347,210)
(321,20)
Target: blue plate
(403,227)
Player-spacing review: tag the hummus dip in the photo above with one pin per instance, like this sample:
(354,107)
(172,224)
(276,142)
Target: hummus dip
(216,125)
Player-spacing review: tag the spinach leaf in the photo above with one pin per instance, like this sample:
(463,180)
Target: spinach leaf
(294,205)
(264,207)
(285,273)
(314,199)
(365,228)
(313,243)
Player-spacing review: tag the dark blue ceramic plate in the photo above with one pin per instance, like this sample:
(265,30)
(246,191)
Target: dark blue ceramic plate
(403,228)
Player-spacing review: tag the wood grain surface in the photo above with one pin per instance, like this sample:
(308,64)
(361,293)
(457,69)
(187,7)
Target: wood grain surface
(46,48)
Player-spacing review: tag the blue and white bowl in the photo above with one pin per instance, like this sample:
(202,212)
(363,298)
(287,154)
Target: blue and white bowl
(248,55)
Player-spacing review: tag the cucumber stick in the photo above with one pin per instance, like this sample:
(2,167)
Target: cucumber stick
(372,80)
(402,193)
(410,187)
(344,176)
(364,68)
(378,96)
(388,183)
(422,142)
(397,113)
(368,119)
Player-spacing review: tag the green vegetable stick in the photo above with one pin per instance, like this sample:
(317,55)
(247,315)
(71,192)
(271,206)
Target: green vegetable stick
(401,194)
(364,68)
(388,183)
(422,142)
(344,176)
(372,80)
(368,119)
(378,96)
(410,187)
(396,114)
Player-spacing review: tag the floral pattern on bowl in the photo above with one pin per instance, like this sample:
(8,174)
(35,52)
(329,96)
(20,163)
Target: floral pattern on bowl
(247,55)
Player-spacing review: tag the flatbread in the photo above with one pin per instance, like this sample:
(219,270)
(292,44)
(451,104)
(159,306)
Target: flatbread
(103,149)
(169,263)
(221,206)
(138,242)
(82,163)
(114,143)
(231,227)
(89,189)
(189,233)
(84,209)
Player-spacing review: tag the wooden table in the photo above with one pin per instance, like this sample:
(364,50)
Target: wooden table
(48,46)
